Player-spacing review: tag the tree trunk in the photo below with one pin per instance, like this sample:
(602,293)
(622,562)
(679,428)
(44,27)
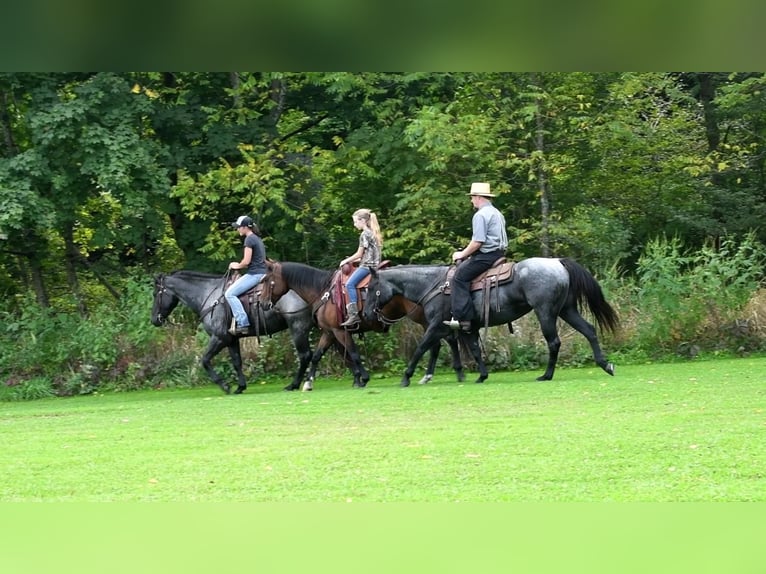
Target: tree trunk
(707,95)
(36,279)
(5,124)
(101,279)
(235,83)
(278,93)
(542,177)
(72,254)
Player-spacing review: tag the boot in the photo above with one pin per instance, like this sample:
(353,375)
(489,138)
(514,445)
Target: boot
(353,315)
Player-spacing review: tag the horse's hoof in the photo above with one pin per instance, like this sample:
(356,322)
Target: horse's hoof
(405,383)
(425,379)
(292,387)
(460,376)
(609,368)
(226,389)
(360,384)
(307,386)
(481,380)
(543,378)
(239,390)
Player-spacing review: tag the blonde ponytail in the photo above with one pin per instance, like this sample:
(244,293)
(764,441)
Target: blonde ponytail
(372,220)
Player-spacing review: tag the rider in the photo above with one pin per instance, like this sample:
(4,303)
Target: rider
(368,255)
(488,243)
(254,261)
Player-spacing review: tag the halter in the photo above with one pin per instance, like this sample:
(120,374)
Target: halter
(161,290)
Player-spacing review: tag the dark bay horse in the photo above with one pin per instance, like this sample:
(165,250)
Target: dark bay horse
(550,287)
(203,294)
(315,286)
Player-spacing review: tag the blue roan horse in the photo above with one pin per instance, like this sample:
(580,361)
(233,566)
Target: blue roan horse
(550,287)
(203,294)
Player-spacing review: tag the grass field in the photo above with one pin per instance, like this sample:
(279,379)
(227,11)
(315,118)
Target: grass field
(692,431)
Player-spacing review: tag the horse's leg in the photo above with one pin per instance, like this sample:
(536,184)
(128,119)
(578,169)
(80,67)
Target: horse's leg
(471,340)
(434,356)
(361,376)
(214,346)
(570,314)
(457,362)
(431,337)
(547,319)
(303,350)
(236,360)
(324,343)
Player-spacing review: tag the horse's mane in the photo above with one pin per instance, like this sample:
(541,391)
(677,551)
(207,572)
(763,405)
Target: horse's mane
(187,274)
(302,276)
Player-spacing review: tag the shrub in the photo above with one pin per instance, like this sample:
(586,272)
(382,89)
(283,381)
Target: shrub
(692,298)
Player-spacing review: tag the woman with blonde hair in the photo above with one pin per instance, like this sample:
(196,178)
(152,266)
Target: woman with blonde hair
(368,256)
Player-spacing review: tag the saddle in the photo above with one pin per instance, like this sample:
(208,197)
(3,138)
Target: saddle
(250,299)
(500,272)
(340,281)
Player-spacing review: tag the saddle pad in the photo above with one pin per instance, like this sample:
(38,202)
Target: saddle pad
(501,272)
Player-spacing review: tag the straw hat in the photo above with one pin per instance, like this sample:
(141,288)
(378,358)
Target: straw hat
(481,189)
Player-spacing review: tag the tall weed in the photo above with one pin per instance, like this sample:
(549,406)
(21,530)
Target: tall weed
(688,300)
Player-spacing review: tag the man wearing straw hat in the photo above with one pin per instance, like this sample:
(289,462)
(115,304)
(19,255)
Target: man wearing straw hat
(488,243)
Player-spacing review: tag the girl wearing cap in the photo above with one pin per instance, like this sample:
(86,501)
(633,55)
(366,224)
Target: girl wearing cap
(368,255)
(254,265)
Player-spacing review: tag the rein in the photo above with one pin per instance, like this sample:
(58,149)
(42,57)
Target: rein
(205,310)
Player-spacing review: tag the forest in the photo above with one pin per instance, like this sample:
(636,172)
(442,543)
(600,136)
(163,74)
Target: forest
(653,180)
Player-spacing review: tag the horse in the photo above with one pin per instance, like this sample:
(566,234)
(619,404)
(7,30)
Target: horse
(551,287)
(203,294)
(316,286)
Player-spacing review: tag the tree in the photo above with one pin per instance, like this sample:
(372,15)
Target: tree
(84,172)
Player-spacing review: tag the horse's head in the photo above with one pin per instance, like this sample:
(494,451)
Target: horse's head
(274,284)
(379,293)
(164,301)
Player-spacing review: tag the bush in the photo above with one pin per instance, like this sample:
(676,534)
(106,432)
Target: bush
(693,298)
(64,353)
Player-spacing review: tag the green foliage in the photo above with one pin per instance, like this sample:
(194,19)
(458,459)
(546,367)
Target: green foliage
(63,353)
(594,234)
(690,298)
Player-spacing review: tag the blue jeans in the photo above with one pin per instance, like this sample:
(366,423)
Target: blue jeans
(356,277)
(241,285)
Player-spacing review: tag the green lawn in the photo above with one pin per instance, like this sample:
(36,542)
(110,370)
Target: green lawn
(657,432)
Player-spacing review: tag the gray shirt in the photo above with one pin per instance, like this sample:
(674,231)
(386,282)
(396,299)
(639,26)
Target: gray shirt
(258,260)
(489,229)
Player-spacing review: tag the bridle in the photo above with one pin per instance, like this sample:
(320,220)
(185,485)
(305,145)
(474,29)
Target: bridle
(433,291)
(159,290)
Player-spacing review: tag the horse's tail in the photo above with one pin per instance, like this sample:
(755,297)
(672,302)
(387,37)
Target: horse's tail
(585,289)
